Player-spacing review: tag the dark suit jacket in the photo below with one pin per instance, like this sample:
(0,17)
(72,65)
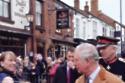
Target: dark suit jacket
(61,74)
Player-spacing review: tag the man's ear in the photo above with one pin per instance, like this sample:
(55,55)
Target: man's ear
(88,59)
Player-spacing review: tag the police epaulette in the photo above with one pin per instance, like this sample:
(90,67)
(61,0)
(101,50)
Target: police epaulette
(121,59)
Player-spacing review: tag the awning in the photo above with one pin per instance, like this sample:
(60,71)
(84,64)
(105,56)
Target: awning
(67,40)
(13,32)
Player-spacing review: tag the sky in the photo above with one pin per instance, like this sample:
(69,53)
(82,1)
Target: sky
(108,7)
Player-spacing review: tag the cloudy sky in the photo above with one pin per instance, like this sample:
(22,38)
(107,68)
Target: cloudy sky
(109,7)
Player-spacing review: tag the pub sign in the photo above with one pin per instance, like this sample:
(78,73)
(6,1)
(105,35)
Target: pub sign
(62,18)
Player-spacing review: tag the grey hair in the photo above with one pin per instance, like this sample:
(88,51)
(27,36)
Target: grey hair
(115,46)
(86,50)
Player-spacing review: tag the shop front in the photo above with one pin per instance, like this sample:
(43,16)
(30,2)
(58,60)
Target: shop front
(60,47)
(13,40)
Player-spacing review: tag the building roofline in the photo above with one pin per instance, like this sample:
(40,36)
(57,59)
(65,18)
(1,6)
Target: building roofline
(76,10)
(101,16)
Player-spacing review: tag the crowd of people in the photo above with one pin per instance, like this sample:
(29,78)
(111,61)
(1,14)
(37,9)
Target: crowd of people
(85,63)
(14,69)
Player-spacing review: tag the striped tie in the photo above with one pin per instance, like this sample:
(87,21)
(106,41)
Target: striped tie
(87,79)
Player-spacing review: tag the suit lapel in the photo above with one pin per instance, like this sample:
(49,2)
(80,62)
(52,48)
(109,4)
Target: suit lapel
(82,79)
(101,77)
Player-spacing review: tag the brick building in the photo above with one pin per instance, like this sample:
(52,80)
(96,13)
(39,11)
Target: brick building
(60,37)
(43,34)
(48,38)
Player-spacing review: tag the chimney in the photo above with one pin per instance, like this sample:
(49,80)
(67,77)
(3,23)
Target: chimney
(94,6)
(76,4)
(86,7)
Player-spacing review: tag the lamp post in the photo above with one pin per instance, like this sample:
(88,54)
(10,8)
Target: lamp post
(31,19)
(121,23)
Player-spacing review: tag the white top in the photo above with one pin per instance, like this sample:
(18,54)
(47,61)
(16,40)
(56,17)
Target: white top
(94,74)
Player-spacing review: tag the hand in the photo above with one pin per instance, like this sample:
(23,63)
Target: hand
(70,64)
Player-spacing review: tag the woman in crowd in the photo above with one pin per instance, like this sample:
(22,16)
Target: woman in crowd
(8,67)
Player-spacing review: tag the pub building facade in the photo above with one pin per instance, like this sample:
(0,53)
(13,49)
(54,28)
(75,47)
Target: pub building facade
(60,28)
(16,32)
(56,34)
(13,35)
(48,33)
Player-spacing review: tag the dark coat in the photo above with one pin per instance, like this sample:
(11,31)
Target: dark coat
(61,74)
(117,68)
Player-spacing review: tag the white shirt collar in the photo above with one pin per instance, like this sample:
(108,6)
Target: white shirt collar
(94,74)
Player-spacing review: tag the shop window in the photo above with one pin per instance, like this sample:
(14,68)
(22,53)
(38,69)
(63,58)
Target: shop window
(38,13)
(5,8)
(94,29)
(84,30)
(58,50)
(5,11)
(104,31)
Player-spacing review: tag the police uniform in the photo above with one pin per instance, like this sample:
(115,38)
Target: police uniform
(117,67)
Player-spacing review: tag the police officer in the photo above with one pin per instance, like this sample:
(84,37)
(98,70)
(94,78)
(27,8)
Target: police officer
(107,48)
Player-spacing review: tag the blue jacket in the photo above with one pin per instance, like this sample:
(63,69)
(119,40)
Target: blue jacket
(2,76)
(4,73)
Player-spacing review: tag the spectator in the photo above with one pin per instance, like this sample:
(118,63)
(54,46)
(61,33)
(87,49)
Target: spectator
(50,64)
(8,66)
(19,67)
(40,67)
(66,73)
(26,68)
(53,69)
(8,80)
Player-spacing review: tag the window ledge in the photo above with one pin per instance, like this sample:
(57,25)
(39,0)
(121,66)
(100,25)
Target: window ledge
(4,19)
(40,28)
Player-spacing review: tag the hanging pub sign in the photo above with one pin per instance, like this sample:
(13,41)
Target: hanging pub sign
(62,18)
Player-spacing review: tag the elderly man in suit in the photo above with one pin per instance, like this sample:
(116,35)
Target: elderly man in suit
(86,61)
